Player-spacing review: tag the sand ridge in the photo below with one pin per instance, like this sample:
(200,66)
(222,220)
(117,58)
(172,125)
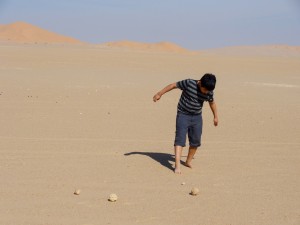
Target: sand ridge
(260,50)
(161,46)
(27,33)
(22,32)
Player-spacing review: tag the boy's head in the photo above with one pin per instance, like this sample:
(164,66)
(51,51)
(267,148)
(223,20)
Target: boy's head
(208,81)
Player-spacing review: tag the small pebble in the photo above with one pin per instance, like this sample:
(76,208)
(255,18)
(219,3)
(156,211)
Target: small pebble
(183,183)
(112,198)
(77,192)
(194,191)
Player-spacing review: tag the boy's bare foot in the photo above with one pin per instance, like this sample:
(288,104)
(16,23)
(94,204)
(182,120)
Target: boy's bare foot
(177,171)
(188,164)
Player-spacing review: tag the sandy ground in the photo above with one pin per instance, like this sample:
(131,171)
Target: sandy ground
(83,118)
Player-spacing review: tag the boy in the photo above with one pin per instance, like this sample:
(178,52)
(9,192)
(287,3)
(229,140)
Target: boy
(189,113)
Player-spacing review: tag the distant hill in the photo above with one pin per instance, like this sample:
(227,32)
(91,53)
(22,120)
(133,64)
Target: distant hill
(161,46)
(26,33)
(263,50)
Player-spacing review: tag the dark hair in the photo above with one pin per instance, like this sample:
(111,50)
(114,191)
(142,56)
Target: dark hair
(208,81)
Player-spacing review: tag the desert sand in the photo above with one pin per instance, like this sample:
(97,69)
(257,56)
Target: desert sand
(81,117)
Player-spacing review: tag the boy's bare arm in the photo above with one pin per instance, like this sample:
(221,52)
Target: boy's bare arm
(213,107)
(158,95)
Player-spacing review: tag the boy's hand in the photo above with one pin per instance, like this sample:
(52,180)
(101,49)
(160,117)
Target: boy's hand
(156,97)
(216,121)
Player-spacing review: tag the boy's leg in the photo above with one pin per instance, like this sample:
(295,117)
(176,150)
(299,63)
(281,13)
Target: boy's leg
(180,139)
(192,151)
(178,153)
(194,133)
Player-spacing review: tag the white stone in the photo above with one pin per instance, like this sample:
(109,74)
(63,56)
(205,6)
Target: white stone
(194,191)
(113,198)
(77,192)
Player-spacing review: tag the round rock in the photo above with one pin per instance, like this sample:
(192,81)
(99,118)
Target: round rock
(112,198)
(194,191)
(77,192)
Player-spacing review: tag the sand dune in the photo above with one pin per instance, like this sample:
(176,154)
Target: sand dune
(161,46)
(27,33)
(265,50)
(22,32)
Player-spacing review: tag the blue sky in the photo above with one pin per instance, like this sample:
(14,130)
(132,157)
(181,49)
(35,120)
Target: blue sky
(193,24)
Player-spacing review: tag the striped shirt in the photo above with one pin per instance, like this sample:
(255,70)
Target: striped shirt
(191,100)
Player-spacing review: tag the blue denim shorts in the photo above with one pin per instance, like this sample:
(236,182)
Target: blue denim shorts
(191,125)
